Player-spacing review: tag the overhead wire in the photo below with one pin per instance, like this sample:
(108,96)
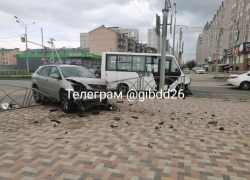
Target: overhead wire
(151,8)
(141,13)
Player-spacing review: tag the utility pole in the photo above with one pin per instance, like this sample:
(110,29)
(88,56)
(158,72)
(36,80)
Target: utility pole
(174,29)
(42,41)
(25,27)
(179,49)
(158,33)
(164,45)
(53,47)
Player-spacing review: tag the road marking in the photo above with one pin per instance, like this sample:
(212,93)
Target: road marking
(211,86)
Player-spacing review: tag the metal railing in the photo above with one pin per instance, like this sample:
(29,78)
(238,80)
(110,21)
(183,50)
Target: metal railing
(21,97)
(13,72)
(141,85)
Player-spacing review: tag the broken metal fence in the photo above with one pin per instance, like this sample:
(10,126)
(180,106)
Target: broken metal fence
(17,97)
(143,85)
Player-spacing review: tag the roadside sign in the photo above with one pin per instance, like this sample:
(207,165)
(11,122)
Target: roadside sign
(23,39)
(47,60)
(51,60)
(43,59)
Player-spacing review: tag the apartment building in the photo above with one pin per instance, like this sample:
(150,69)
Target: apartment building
(105,39)
(153,39)
(8,56)
(199,50)
(225,40)
(130,33)
(84,40)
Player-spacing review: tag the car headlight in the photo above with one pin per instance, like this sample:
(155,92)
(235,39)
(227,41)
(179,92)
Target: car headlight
(78,88)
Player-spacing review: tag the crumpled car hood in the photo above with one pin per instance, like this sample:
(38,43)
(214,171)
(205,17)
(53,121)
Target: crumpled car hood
(84,80)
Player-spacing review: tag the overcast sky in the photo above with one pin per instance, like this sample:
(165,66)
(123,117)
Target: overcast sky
(64,20)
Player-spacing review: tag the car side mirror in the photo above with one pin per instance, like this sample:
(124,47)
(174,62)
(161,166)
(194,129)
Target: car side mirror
(54,76)
(97,75)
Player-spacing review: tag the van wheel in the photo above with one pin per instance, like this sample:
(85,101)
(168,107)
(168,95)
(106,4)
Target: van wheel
(178,88)
(245,85)
(37,96)
(123,88)
(67,104)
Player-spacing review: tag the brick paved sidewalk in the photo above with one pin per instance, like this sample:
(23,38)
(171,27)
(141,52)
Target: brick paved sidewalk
(136,149)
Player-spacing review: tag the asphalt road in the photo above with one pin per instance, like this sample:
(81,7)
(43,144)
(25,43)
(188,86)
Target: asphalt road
(211,88)
(220,92)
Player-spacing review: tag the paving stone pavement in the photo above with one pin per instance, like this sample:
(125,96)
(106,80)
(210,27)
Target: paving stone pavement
(89,148)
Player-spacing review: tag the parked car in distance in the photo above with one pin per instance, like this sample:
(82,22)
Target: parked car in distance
(241,81)
(186,70)
(54,80)
(194,68)
(200,71)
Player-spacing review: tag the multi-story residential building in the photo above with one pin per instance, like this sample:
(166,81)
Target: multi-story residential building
(84,40)
(105,39)
(130,33)
(153,39)
(226,36)
(198,50)
(212,44)
(8,56)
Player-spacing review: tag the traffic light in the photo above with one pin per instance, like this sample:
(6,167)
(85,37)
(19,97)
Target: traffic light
(181,34)
(235,53)
(158,25)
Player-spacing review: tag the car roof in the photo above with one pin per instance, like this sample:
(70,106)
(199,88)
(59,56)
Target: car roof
(61,65)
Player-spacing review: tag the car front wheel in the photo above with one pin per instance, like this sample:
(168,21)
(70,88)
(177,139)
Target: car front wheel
(37,96)
(67,104)
(245,85)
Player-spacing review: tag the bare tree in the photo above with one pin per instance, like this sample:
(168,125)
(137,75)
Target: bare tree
(190,64)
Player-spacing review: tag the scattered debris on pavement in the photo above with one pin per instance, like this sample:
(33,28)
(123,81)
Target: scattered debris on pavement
(117,119)
(59,138)
(213,123)
(134,117)
(95,112)
(53,110)
(54,120)
(161,123)
(221,129)
(128,123)
(149,146)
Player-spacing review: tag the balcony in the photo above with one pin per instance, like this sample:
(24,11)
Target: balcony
(120,43)
(121,49)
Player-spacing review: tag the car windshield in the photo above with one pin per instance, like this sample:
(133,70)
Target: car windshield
(200,69)
(74,71)
(186,69)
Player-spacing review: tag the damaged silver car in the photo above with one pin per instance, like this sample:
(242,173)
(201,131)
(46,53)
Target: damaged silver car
(56,80)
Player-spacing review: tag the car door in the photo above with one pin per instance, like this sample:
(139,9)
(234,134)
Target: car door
(53,85)
(43,79)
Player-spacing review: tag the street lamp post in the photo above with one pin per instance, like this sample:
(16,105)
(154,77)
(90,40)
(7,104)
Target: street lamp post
(25,26)
(174,30)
